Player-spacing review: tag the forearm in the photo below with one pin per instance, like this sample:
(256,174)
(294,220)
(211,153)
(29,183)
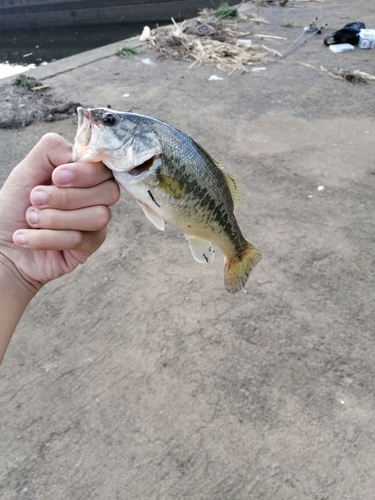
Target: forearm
(15,295)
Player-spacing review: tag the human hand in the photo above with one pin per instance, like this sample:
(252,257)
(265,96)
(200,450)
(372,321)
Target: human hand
(53,214)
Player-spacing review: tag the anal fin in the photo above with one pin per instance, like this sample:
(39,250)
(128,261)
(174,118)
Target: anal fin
(202,250)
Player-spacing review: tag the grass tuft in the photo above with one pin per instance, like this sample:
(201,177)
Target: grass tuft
(289,23)
(25,82)
(225,11)
(126,51)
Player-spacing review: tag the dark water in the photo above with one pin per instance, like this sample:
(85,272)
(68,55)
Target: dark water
(34,47)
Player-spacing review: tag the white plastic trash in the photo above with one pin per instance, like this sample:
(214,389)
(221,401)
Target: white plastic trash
(244,43)
(366,39)
(146,33)
(341,47)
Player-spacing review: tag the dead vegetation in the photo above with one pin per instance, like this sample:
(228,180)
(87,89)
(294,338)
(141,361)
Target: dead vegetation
(209,39)
(355,76)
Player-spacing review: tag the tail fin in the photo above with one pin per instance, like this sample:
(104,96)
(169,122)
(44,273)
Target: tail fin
(237,269)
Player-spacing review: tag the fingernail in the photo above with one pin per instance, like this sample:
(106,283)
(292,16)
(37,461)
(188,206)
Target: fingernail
(32,217)
(39,198)
(19,239)
(64,177)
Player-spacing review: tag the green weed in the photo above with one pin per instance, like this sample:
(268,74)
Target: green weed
(25,82)
(225,11)
(126,51)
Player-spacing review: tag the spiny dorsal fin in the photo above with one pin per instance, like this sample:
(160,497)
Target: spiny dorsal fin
(236,187)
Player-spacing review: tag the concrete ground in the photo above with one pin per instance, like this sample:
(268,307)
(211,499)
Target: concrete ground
(138,376)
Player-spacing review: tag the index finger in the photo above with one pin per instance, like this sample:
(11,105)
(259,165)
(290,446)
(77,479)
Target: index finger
(81,175)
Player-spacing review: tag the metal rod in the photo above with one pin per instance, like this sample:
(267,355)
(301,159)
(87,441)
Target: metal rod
(296,45)
(305,30)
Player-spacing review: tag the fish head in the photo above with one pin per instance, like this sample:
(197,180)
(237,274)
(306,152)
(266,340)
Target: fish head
(112,137)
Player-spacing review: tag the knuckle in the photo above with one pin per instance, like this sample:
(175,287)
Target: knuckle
(52,139)
(49,219)
(115,192)
(62,198)
(103,217)
(79,237)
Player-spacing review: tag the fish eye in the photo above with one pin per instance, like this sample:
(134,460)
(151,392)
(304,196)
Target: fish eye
(109,119)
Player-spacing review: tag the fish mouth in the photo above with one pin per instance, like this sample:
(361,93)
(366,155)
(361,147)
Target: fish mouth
(142,168)
(83,115)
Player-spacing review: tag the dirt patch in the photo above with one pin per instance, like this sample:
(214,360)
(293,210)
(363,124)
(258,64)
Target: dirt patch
(26,100)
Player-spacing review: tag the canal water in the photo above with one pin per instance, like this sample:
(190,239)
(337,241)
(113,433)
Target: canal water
(22,49)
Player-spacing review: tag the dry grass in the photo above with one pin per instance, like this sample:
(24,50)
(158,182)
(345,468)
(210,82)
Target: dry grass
(207,39)
(355,76)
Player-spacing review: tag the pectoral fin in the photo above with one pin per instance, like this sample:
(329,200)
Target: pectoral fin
(202,250)
(152,216)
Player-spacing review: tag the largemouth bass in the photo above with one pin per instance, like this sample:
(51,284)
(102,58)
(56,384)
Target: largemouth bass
(174,180)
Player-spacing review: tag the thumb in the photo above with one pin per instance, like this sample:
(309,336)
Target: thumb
(37,167)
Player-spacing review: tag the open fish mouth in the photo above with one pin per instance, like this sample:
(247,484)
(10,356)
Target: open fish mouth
(143,167)
(84,131)
(83,116)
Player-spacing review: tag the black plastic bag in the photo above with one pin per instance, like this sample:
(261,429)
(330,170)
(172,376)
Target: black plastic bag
(348,34)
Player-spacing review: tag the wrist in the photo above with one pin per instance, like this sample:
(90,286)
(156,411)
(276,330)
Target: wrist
(15,294)
(12,280)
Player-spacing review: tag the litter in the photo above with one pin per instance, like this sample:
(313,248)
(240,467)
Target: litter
(366,39)
(348,34)
(215,77)
(145,34)
(148,61)
(341,47)
(244,43)
(320,188)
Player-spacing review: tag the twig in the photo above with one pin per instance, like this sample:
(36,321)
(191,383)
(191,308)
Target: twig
(270,37)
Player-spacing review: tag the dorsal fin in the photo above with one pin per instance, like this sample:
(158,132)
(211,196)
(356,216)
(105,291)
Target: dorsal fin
(236,187)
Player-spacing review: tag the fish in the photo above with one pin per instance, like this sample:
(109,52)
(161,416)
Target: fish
(174,180)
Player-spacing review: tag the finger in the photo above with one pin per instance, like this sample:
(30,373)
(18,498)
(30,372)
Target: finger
(38,165)
(106,193)
(84,219)
(81,174)
(84,242)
